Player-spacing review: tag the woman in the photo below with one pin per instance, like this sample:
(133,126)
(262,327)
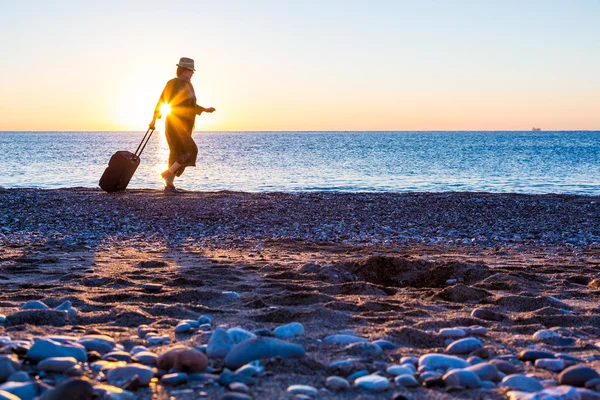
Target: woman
(180,96)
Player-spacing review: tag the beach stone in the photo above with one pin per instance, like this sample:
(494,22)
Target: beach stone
(463,378)
(587,394)
(72,388)
(399,370)
(109,392)
(57,364)
(19,376)
(120,375)
(406,380)
(337,383)
(238,334)
(409,360)
(374,383)
(487,385)
(38,317)
(231,295)
(182,358)
(289,330)
(577,375)
(504,366)
(450,333)
(100,343)
(146,357)
(236,396)
(302,389)
(550,364)
(344,339)
(7,367)
(474,360)
(261,347)
(158,340)
(23,390)
(487,314)
(555,393)
(152,287)
(138,349)
(464,346)
(34,305)
(522,383)
(4,395)
(249,370)
(532,355)
(239,387)
(365,349)
(183,327)
(118,356)
(174,379)
(2,318)
(593,384)
(544,334)
(442,361)
(45,348)
(385,344)
(477,330)
(358,374)
(219,344)
(205,319)
(346,362)
(351,332)
(485,371)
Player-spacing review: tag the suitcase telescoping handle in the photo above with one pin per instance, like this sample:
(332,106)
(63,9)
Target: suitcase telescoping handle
(143,143)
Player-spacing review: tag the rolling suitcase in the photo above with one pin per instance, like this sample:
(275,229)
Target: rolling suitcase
(122,166)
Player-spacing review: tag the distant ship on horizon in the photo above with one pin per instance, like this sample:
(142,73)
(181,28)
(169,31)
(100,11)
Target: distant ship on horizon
(536,129)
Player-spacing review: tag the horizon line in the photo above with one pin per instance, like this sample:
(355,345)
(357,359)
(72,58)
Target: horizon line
(334,130)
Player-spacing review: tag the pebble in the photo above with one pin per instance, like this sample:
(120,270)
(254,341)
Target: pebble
(577,375)
(183,327)
(485,371)
(385,344)
(119,375)
(261,347)
(365,349)
(205,319)
(532,355)
(231,295)
(337,383)
(375,383)
(358,374)
(152,287)
(550,364)
(68,307)
(72,388)
(289,330)
(406,380)
(34,305)
(235,396)
(19,376)
(23,390)
(442,361)
(302,389)
(344,339)
(4,395)
(487,314)
(146,357)
(100,343)
(409,360)
(158,340)
(45,348)
(182,358)
(219,344)
(118,356)
(555,393)
(174,379)
(522,383)
(462,378)
(399,370)
(464,346)
(452,333)
(544,334)
(238,334)
(57,364)
(505,366)
(7,367)
(239,387)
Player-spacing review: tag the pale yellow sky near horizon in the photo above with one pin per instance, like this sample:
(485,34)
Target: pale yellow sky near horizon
(311,65)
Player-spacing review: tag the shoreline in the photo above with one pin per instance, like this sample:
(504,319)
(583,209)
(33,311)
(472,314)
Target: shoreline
(393,267)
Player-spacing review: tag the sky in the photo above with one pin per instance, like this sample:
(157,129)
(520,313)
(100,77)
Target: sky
(304,65)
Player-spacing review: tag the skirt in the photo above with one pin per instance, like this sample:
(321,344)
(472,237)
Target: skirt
(182,148)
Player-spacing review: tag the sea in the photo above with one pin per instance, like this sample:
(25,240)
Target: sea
(535,162)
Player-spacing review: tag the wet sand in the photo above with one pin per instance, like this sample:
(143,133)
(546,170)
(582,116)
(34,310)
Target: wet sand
(397,267)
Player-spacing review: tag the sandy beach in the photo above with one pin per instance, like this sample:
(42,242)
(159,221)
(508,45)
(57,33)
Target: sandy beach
(512,272)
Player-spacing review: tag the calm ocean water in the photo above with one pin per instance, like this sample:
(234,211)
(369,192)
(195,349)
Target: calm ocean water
(518,162)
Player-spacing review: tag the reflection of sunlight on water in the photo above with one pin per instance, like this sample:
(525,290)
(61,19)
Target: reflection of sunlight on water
(161,155)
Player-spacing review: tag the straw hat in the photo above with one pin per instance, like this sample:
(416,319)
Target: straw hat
(185,62)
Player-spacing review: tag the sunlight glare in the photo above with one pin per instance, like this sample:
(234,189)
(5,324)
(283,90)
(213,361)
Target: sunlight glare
(165,109)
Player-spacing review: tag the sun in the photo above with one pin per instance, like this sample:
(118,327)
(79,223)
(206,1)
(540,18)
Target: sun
(165,109)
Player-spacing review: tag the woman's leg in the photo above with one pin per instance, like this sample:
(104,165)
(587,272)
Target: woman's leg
(169,175)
